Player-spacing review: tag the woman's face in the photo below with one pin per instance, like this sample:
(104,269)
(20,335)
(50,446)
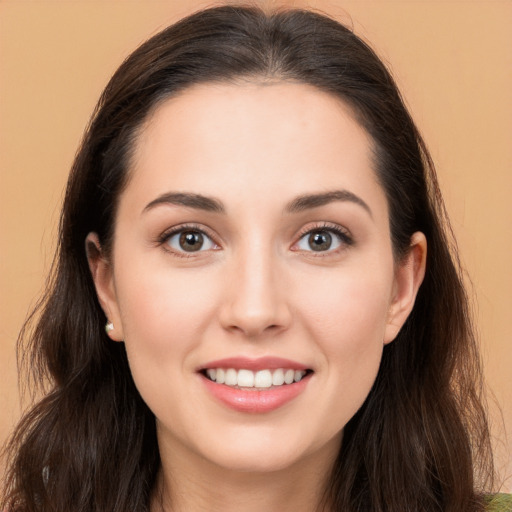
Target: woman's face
(252,246)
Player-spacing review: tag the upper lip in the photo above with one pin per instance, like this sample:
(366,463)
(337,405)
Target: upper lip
(254,364)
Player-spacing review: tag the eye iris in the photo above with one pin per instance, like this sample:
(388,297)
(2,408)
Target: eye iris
(191,241)
(320,240)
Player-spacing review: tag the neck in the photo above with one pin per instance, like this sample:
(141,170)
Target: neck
(192,484)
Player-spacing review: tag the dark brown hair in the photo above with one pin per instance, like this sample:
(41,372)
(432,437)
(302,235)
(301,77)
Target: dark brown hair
(421,435)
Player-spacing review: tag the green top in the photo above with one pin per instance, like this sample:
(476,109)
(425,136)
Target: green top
(500,503)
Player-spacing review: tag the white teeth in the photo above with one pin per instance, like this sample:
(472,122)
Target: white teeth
(245,378)
(231,378)
(278,377)
(220,376)
(261,379)
(288,376)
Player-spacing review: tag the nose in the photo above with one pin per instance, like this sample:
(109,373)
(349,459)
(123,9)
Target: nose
(256,301)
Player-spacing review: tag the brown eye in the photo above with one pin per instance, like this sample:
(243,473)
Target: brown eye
(191,241)
(324,239)
(320,241)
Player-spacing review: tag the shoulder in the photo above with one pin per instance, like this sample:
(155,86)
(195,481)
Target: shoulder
(499,503)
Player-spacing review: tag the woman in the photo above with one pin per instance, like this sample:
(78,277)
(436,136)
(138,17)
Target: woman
(254,303)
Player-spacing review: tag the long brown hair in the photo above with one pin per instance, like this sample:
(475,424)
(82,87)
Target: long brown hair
(420,441)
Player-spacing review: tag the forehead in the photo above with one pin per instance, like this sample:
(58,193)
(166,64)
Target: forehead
(253,138)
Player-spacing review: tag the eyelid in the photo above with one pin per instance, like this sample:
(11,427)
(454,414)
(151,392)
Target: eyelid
(342,233)
(169,233)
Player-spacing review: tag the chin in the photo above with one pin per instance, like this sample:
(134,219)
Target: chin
(258,461)
(266,452)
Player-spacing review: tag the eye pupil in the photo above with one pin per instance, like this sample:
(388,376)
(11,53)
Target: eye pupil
(320,240)
(191,241)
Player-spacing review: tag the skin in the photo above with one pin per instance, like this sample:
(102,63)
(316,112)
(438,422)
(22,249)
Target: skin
(257,289)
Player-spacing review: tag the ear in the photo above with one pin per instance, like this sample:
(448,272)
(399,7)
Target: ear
(409,274)
(103,277)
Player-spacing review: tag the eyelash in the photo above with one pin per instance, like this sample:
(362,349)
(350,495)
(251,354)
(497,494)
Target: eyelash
(342,234)
(167,235)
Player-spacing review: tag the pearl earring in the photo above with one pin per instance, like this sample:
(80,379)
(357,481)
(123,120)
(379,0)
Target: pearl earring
(109,327)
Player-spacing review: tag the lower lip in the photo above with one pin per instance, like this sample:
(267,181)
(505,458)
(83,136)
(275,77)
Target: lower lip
(256,401)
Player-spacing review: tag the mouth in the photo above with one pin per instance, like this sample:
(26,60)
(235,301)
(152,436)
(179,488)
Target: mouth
(255,385)
(255,380)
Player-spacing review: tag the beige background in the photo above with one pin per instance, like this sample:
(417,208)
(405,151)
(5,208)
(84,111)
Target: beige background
(452,60)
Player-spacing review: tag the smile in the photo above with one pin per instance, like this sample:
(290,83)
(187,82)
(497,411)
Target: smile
(257,385)
(262,379)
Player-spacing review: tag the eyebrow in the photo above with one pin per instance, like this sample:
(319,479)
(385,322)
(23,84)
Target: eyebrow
(299,204)
(190,200)
(309,201)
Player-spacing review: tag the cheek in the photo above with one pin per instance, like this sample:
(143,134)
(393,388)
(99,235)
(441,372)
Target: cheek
(163,314)
(350,309)
(347,317)
(163,311)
